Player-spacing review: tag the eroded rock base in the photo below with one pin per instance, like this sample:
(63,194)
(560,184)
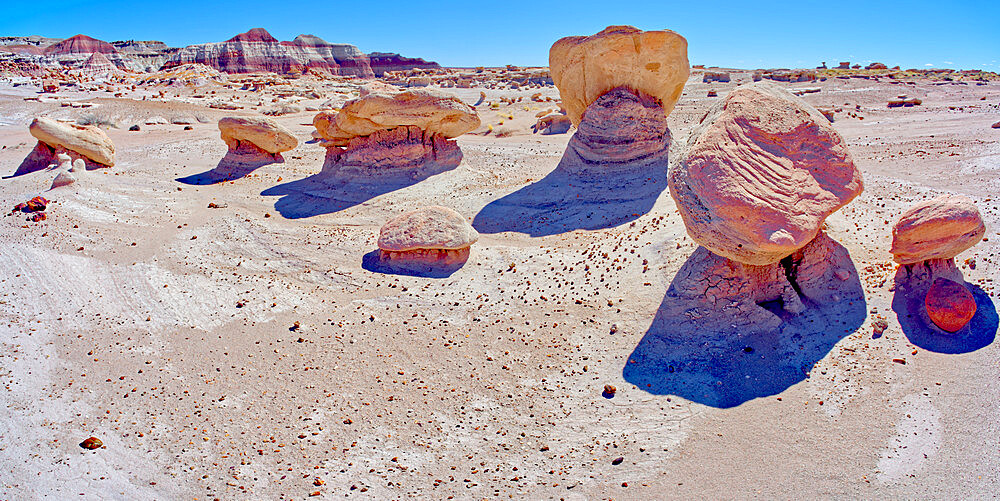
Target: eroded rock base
(621,129)
(714,287)
(407,151)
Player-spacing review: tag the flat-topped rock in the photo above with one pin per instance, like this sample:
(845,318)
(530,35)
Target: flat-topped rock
(430,110)
(939,228)
(85,140)
(651,62)
(262,134)
(762,172)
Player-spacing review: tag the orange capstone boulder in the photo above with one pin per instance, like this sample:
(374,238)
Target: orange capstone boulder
(949,305)
(654,63)
(763,170)
(939,228)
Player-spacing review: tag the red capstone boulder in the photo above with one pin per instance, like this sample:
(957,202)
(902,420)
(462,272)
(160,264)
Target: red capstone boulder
(949,305)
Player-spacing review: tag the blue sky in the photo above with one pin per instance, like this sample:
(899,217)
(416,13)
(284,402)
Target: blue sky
(746,34)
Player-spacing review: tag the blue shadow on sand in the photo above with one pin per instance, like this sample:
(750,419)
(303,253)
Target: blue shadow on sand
(908,304)
(338,187)
(374,263)
(567,199)
(697,352)
(233,166)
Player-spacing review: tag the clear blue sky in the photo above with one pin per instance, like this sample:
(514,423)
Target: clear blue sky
(736,33)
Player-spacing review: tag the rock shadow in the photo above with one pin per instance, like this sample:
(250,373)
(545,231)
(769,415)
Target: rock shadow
(235,165)
(574,198)
(43,157)
(375,262)
(342,185)
(911,285)
(723,352)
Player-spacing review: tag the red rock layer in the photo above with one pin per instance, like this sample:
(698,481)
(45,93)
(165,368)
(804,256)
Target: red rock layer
(80,44)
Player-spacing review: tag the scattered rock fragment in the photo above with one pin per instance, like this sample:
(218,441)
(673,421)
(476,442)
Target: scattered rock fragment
(92,443)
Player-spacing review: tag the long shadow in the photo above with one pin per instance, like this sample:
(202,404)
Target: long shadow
(724,352)
(569,199)
(235,165)
(339,186)
(912,283)
(374,262)
(39,158)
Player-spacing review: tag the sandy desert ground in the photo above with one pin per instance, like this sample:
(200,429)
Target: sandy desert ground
(245,351)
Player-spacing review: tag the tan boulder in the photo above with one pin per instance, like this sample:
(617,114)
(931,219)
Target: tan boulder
(434,227)
(430,110)
(649,62)
(263,133)
(86,140)
(939,228)
(762,172)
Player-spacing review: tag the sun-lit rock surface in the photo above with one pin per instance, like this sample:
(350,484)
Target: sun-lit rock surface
(86,140)
(651,62)
(430,110)
(261,133)
(762,172)
(939,228)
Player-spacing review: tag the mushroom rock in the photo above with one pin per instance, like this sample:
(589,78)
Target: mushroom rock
(433,235)
(395,133)
(256,136)
(761,173)
(939,228)
(949,304)
(653,63)
(430,110)
(620,127)
(78,140)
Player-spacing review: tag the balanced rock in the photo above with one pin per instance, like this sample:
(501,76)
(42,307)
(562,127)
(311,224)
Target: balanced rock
(762,172)
(432,235)
(939,228)
(83,140)
(653,63)
(621,127)
(256,135)
(949,304)
(432,111)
